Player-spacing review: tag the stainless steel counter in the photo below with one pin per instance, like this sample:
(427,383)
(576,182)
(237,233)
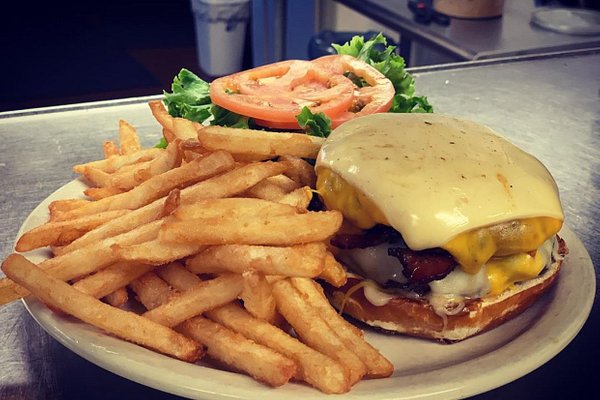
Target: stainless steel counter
(549,106)
(465,39)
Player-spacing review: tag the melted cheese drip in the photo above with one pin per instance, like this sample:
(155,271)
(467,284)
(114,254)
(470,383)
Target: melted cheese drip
(503,272)
(339,195)
(434,177)
(473,248)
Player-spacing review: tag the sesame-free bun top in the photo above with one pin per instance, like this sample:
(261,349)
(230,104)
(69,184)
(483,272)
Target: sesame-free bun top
(434,176)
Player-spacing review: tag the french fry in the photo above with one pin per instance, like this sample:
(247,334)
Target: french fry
(203,297)
(123,324)
(114,163)
(117,298)
(63,232)
(317,369)
(261,143)
(171,204)
(257,297)
(97,255)
(191,149)
(301,260)
(115,227)
(10,291)
(234,207)
(284,230)
(284,182)
(111,278)
(83,261)
(189,156)
(224,185)
(299,170)
(177,276)
(313,330)
(62,206)
(197,126)
(193,145)
(224,345)
(110,149)
(132,175)
(184,129)
(377,365)
(231,348)
(266,190)
(152,291)
(162,115)
(97,193)
(128,138)
(299,198)
(333,272)
(156,252)
(157,186)
(96,177)
(129,178)
(168,135)
(250,158)
(272,188)
(232,183)
(137,165)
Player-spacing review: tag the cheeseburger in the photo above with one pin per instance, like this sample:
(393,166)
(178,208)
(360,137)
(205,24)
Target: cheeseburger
(449,228)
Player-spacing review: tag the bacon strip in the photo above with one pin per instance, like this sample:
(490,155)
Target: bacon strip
(423,266)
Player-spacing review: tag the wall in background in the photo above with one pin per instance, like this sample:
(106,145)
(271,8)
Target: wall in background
(75,51)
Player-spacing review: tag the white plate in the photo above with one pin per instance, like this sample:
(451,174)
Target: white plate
(424,369)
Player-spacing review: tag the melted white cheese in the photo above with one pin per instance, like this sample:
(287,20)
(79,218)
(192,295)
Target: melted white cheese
(461,283)
(377,297)
(435,176)
(374,262)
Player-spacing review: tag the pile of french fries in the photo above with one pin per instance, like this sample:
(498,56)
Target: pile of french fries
(213,236)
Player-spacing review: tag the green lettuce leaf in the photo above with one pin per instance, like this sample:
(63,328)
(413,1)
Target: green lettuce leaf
(392,66)
(224,117)
(317,124)
(405,104)
(190,97)
(162,144)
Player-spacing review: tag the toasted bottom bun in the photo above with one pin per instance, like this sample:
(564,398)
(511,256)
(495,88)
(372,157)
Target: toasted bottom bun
(416,317)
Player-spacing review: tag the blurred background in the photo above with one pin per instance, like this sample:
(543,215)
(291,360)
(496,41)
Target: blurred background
(65,52)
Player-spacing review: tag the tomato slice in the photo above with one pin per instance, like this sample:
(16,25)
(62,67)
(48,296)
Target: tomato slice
(375,97)
(278,92)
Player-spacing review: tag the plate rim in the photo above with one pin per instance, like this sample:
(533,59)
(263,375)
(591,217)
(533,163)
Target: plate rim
(460,386)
